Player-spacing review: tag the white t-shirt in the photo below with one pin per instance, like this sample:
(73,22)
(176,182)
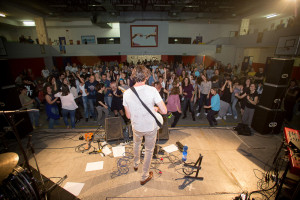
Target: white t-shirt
(68,68)
(83,90)
(67,102)
(45,73)
(141,119)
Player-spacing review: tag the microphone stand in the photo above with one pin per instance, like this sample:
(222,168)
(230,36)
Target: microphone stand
(9,116)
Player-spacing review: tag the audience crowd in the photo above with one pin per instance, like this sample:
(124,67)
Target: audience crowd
(87,92)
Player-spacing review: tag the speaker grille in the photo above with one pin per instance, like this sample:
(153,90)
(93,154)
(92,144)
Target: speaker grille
(113,128)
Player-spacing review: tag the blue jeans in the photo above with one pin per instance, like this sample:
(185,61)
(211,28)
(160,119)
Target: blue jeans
(85,106)
(92,103)
(34,117)
(188,103)
(53,122)
(65,113)
(108,101)
(234,102)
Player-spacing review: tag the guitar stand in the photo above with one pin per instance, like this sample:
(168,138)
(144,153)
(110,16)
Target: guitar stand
(197,165)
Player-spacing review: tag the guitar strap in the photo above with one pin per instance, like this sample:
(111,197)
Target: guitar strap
(134,91)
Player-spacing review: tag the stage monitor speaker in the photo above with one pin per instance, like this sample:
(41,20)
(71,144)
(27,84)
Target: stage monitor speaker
(272,95)
(279,71)
(9,95)
(164,130)
(266,121)
(113,128)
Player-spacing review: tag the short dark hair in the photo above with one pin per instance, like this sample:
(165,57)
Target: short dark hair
(140,73)
(65,90)
(99,86)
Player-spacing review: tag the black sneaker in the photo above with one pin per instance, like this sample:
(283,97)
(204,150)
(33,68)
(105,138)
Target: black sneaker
(184,117)
(86,119)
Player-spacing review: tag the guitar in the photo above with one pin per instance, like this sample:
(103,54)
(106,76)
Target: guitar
(159,117)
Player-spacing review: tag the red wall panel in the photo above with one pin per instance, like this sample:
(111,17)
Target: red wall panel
(18,65)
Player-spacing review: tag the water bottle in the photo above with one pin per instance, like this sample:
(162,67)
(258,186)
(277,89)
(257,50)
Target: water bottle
(184,153)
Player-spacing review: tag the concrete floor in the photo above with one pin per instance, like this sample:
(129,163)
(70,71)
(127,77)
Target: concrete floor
(227,167)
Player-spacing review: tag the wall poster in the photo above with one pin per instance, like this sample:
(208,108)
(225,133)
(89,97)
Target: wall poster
(144,35)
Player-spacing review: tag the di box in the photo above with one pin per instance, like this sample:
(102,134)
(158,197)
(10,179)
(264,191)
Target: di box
(279,71)
(267,121)
(272,95)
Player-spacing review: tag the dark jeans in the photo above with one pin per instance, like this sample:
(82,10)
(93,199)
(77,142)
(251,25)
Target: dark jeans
(176,119)
(65,113)
(211,117)
(203,101)
(188,103)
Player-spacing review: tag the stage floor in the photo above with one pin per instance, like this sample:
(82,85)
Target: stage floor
(227,166)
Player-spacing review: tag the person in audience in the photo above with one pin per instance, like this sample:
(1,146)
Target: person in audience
(209,72)
(101,106)
(28,103)
(122,86)
(68,105)
(73,90)
(60,80)
(234,99)
(225,98)
(55,72)
(91,95)
(203,93)
(162,91)
(68,67)
(116,104)
(252,72)
(188,95)
(45,73)
(51,107)
(214,107)
(32,91)
(174,105)
(19,79)
(83,96)
(259,89)
(290,99)
(252,100)
(74,68)
(241,97)
(259,76)
(108,95)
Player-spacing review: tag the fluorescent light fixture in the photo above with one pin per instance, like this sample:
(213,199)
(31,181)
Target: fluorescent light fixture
(175,40)
(95,5)
(2,15)
(29,23)
(191,6)
(111,39)
(271,15)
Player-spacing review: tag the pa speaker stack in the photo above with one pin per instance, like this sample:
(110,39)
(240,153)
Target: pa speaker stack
(268,117)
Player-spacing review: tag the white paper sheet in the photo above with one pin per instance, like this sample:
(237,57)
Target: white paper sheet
(94,166)
(118,151)
(106,150)
(171,148)
(74,188)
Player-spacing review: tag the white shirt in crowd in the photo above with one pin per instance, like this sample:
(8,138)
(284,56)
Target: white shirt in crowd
(68,68)
(45,73)
(67,102)
(141,119)
(82,89)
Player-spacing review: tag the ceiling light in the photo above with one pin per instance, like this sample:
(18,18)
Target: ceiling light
(2,15)
(111,39)
(175,40)
(95,5)
(271,15)
(29,23)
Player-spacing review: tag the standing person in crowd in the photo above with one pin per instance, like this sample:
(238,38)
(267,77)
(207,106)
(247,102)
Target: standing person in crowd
(28,103)
(162,91)
(107,92)
(188,94)
(234,99)
(73,90)
(45,73)
(290,99)
(101,106)
(241,97)
(51,107)
(210,73)
(173,105)
(259,76)
(116,104)
(252,100)
(68,105)
(91,95)
(143,123)
(83,95)
(204,87)
(214,107)
(225,98)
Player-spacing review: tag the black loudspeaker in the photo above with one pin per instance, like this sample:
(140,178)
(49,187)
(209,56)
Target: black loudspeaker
(9,95)
(266,121)
(113,128)
(164,130)
(272,95)
(279,71)
(6,77)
